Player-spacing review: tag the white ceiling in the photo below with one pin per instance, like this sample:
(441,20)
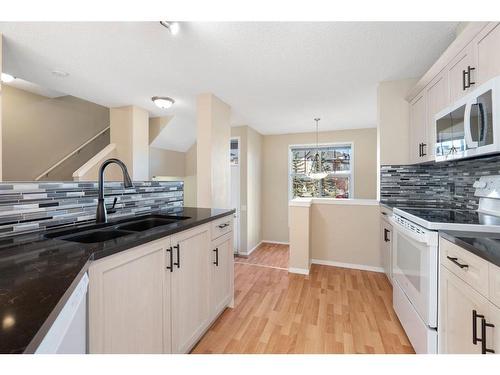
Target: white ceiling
(277,76)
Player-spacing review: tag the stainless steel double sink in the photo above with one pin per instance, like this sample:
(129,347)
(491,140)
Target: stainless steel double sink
(104,232)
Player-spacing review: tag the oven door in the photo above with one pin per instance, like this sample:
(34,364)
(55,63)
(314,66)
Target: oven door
(415,268)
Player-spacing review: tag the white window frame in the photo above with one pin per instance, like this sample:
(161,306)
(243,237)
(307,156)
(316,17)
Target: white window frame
(327,144)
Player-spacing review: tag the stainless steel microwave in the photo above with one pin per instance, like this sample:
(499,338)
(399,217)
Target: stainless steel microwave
(471,126)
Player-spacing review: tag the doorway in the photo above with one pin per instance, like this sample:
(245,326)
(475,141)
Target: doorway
(235,189)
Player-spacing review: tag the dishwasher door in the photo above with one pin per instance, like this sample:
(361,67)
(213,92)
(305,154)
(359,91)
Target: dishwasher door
(68,334)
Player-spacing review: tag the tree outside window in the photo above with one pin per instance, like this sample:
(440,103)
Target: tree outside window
(335,159)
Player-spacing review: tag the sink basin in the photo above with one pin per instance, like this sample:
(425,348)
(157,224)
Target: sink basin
(97,236)
(108,231)
(145,224)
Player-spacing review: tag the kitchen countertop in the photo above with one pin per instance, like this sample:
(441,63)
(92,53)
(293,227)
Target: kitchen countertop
(37,274)
(484,245)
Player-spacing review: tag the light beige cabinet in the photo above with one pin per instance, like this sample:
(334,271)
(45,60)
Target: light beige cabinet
(190,287)
(437,99)
(127,300)
(487,48)
(386,245)
(475,59)
(462,73)
(418,127)
(456,321)
(221,274)
(469,320)
(162,296)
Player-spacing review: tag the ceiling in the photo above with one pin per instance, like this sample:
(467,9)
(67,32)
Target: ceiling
(276,76)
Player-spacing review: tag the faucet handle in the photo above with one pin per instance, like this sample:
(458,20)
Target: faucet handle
(112,210)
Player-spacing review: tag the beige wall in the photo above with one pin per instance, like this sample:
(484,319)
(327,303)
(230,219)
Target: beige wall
(393,121)
(213,167)
(300,239)
(166,162)
(39,131)
(275,173)
(130,133)
(347,234)
(251,163)
(190,177)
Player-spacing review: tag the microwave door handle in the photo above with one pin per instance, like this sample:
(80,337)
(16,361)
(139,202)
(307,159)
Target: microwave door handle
(483,129)
(468,136)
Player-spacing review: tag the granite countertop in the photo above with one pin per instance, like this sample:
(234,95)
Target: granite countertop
(484,245)
(37,274)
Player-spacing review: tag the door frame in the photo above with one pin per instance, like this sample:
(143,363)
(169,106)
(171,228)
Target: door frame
(237,220)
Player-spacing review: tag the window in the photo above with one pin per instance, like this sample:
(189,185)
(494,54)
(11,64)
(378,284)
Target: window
(336,159)
(235,151)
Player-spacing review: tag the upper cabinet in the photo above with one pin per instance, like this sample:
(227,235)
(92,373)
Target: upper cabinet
(487,45)
(418,117)
(437,99)
(462,73)
(472,59)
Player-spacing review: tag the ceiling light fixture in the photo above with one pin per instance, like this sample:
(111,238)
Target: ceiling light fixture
(163,102)
(317,172)
(173,27)
(7,78)
(60,73)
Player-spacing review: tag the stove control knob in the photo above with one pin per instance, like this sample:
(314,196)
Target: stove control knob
(480,184)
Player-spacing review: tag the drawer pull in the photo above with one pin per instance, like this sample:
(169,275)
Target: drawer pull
(386,232)
(171,266)
(484,324)
(222,226)
(455,260)
(216,251)
(475,316)
(178,263)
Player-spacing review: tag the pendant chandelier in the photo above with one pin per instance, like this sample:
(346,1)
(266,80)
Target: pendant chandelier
(316,172)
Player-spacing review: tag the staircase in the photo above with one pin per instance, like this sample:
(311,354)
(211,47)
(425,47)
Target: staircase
(64,168)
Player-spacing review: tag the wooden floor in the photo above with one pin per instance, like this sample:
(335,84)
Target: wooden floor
(333,310)
(268,254)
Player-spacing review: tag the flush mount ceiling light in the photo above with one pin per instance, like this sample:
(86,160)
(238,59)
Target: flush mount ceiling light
(173,27)
(317,172)
(163,102)
(6,78)
(60,73)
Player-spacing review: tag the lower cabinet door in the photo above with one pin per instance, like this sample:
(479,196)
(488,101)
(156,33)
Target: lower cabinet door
(460,311)
(492,329)
(190,287)
(126,301)
(386,247)
(221,274)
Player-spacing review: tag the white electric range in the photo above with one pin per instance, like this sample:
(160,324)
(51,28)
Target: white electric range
(416,258)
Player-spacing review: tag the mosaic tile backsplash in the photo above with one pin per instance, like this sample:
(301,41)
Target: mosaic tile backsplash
(28,206)
(445,184)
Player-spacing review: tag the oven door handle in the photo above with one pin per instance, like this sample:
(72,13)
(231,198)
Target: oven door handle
(421,238)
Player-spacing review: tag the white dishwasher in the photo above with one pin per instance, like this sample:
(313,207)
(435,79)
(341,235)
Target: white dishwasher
(68,334)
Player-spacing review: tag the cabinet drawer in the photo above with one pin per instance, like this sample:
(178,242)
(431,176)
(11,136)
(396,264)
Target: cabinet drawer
(494,272)
(222,226)
(467,266)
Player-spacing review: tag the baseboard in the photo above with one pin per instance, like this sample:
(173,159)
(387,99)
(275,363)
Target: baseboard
(301,271)
(251,250)
(347,265)
(275,242)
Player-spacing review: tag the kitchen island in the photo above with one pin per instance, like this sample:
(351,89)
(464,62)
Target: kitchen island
(38,274)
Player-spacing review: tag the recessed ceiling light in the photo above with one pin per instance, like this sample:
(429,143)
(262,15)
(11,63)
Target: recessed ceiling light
(60,73)
(173,27)
(163,102)
(6,78)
